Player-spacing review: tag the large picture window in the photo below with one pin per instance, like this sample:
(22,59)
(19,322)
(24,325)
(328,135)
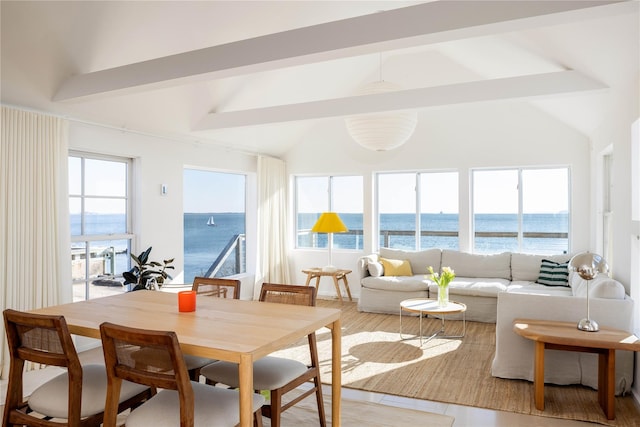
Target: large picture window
(214,224)
(418,210)
(341,194)
(521,210)
(100,214)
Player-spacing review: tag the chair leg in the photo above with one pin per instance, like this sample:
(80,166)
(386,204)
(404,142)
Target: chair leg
(276,407)
(194,375)
(257,418)
(320,401)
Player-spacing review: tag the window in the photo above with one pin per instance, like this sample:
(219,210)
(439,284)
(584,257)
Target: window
(341,194)
(99,214)
(214,224)
(521,210)
(408,202)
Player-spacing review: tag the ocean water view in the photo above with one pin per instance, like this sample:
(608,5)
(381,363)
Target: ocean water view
(391,226)
(203,243)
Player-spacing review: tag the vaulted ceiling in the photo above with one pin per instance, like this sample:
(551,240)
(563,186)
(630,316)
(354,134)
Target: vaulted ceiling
(253,76)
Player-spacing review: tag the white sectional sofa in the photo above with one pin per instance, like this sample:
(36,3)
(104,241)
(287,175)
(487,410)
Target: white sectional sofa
(500,288)
(479,279)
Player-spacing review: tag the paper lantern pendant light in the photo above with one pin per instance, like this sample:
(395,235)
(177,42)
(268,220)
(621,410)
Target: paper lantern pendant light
(381,131)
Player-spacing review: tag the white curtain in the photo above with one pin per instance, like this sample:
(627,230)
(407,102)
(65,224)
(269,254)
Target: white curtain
(272,264)
(35,258)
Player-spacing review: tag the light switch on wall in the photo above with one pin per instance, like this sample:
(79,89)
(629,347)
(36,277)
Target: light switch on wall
(163,190)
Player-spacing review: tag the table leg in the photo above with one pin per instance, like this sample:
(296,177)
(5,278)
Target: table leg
(346,286)
(606,382)
(309,277)
(336,372)
(337,285)
(538,375)
(246,390)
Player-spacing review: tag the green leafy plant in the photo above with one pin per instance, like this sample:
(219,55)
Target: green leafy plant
(145,270)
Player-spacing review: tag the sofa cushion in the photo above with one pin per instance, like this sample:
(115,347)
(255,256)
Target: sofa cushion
(475,265)
(375,268)
(473,286)
(553,273)
(397,283)
(526,287)
(526,267)
(396,267)
(419,260)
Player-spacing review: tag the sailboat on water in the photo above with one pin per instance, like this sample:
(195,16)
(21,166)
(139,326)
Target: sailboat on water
(211,222)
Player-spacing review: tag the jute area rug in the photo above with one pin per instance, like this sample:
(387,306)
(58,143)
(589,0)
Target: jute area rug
(374,358)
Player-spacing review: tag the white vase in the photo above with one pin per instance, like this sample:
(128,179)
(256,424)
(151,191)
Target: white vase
(443,296)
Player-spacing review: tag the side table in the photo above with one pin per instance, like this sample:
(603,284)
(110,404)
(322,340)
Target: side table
(428,306)
(337,275)
(548,334)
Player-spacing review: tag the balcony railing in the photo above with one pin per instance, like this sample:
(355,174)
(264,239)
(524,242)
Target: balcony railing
(233,251)
(311,239)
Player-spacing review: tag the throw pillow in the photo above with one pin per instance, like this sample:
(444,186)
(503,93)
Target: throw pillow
(396,267)
(375,269)
(607,288)
(553,273)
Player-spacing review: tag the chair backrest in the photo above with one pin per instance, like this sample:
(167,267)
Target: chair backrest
(41,339)
(288,294)
(217,287)
(165,369)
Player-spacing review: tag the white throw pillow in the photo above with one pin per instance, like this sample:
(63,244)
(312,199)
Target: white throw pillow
(601,287)
(375,269)
(607,288)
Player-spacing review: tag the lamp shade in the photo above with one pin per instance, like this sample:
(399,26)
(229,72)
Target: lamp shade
(329,222)
(588,265)
(381,131)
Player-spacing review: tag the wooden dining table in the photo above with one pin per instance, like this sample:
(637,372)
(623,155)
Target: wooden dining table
(236,331)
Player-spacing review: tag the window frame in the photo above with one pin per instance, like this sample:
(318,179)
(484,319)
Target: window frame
(241,264)
(520,203)
(418,203)
(330,208)
(87,239)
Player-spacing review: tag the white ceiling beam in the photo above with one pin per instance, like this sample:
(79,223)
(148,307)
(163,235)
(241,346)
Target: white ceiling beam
(560,82)
(421,24)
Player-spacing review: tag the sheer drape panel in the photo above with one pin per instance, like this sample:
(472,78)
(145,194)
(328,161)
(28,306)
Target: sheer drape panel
(273,265)
(35,259)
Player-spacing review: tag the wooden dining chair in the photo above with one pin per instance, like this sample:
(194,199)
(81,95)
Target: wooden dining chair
(73,398)
(277,374)
(181,402)
(216,287)
(210,287)
(206,287)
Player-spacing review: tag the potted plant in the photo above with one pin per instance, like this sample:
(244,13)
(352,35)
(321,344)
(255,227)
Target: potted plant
(145,270)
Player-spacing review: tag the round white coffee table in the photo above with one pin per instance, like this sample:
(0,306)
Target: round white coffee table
(427,306)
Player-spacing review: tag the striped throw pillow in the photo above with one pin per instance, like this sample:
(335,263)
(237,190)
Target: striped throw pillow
(553,273)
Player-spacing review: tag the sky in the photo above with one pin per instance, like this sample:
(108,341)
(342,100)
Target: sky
(206,191)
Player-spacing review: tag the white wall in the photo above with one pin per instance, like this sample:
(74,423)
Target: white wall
(617,129)
(157,161)
(489,135)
